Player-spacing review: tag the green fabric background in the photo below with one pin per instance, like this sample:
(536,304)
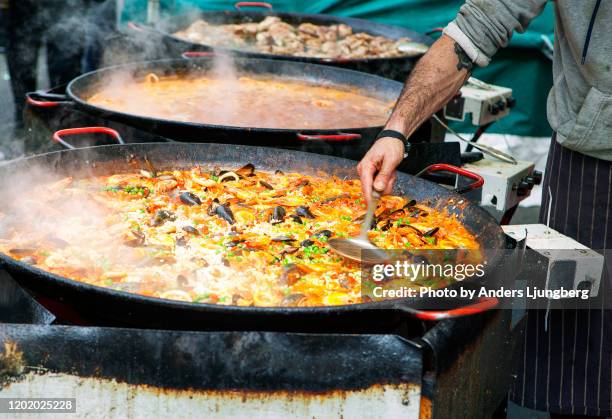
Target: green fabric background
(522,66)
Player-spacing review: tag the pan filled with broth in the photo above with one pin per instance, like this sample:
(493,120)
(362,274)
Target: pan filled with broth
(239,100)
(245,101)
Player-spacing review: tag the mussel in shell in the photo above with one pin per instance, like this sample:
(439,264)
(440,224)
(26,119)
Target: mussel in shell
(278,215)
(291,274)
(431,232)
(191,230)
(323,233)
(296,219)
(266,185)
(304,212)
(189,198)
(162,216)
(222,210)
(292,299)
(246,170)
(289,250)
(283,238)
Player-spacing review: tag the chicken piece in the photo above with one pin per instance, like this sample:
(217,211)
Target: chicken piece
(309,29)
(282,30)
(314,44)
(246,30)
(267,22)
(291,47)
(344,30)
(263,39)
(360,52)
(330,49)
(330,33)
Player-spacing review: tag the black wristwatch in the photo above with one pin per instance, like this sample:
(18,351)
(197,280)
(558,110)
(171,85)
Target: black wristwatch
(396,134)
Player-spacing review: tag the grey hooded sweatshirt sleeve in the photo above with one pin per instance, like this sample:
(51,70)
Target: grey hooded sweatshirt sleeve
(580,102)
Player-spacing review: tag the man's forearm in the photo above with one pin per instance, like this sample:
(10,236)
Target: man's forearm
(433,82)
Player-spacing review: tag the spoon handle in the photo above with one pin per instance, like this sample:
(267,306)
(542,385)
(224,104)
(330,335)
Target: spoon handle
(367,221)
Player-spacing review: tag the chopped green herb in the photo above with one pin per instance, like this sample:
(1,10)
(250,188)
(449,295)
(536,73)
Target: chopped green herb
(111,189)
(201,297)
(134,190)
(346,218)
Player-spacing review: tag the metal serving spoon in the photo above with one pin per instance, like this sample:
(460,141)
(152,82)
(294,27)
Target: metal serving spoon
(354,248)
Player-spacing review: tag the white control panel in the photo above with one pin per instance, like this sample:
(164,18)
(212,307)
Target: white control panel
(481,102)
(571,265)
(505,184)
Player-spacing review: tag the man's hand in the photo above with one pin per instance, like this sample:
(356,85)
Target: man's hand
(433,82)
(378,166)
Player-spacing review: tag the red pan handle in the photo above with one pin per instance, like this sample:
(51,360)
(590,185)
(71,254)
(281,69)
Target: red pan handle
(46,100)
(242,4)
(57,136)
(343,136)
(483,304)
(478,180)
(196,54)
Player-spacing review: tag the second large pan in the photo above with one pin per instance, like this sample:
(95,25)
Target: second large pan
(350,142)
(396,68)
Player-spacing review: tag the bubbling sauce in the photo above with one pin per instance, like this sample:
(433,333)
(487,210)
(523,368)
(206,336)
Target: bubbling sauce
(245,102)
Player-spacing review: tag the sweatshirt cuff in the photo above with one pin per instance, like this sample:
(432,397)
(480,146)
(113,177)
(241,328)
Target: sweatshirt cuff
(477,56)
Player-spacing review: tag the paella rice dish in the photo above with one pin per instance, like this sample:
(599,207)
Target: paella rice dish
(238,236)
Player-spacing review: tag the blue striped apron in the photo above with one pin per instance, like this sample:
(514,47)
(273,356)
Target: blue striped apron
(566,367)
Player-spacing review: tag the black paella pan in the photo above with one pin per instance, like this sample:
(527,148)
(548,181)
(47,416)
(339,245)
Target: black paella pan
(351,142)
(107,306)
(396,68)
